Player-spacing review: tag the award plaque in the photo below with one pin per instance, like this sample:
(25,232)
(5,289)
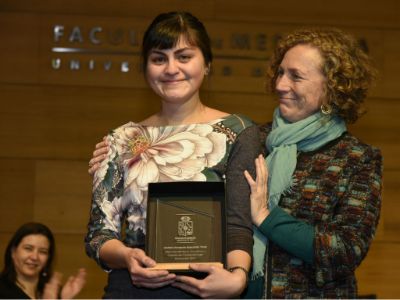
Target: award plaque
(186,224)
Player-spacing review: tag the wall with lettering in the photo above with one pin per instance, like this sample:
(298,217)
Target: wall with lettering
(70,71)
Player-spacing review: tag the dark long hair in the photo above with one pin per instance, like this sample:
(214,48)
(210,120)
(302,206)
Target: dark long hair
(9,273)
(166,29)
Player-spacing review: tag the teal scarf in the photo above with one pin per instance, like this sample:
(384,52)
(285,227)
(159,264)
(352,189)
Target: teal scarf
(283,142)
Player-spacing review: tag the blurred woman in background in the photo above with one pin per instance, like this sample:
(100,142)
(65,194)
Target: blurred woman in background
(28,262)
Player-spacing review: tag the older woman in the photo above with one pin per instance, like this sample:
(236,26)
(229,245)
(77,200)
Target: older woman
(317,204)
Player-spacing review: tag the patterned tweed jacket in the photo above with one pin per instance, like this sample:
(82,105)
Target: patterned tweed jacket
(337,189)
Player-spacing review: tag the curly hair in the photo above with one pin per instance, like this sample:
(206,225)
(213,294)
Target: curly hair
(347,68)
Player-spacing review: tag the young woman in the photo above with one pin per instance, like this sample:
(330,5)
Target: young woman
(184,141)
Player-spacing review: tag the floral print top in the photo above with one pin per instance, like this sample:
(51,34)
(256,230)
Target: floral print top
(218,150)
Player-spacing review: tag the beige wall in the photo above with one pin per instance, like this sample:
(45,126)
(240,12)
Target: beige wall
(51,119)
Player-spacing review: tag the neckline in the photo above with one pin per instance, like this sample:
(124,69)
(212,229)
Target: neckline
(211,122)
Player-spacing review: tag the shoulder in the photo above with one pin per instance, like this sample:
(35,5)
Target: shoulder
(238,122)
(11,290)
(244,119)
(241,132)
(357,148)
(119,137)
(124,130)
(129,124)
(213,113)
(361,155)
(4,283)
(350,153)
(264,129)
(238,129)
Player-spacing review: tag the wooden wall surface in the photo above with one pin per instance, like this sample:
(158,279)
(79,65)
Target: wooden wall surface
(51,119)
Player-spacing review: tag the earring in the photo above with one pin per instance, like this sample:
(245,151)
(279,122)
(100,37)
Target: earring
(326,109)
(207,69)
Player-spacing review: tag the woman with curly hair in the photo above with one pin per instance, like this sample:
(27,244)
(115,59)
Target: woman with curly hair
(316,199)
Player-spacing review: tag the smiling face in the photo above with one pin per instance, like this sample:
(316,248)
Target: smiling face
(300,84)
(176,74)
(30,256)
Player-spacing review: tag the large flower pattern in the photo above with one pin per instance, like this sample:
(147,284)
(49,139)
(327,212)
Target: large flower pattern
(155,154)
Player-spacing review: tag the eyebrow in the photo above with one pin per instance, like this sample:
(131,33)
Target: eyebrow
(296,70)
(32,245)
(157,51)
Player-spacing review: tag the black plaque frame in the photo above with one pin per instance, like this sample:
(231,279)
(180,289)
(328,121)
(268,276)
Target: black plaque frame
(202,204)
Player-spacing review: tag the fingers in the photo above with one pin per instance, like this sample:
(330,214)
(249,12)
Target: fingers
(140,256)
(80,277)
(93,168)
(99,154)
(139,271)
(70,288)
(74,285)
(143,276)
(249,178)
(70,280)
(100,148)
(56,279)
(151,278)
(99,157)
(261,174)
(199,287)
(188,284)
(52,287)
(94,163)
(103,143)
(155,282)
(260,170)
(81,273)
(206,268)
(189,288)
